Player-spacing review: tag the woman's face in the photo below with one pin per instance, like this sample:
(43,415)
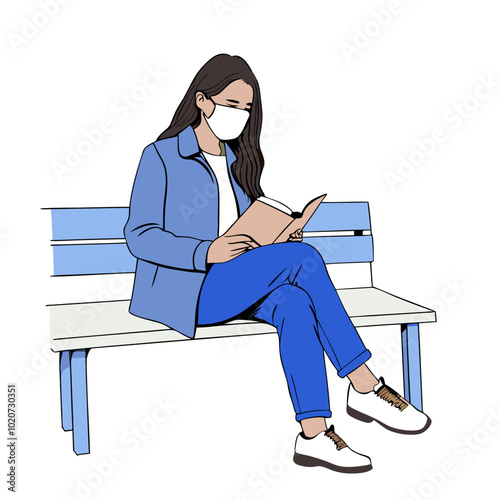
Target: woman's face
(237,94)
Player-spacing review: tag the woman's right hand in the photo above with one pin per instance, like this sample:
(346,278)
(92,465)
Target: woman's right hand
(225,248)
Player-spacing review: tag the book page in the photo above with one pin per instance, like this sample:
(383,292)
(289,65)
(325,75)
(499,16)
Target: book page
(276,204)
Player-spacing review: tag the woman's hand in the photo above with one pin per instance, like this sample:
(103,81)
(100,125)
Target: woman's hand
(295,236)
(225,248)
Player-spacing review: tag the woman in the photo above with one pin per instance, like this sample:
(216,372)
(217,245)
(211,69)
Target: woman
(192,183)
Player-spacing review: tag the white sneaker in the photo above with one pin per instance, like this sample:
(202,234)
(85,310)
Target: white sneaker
(384,405)
(327,449)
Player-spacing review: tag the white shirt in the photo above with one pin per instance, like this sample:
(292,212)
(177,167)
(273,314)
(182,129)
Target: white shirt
(228,210)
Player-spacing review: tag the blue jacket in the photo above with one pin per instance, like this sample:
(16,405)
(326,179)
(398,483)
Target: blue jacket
(173,219)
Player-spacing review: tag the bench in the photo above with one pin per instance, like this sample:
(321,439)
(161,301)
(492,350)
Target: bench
(90,241)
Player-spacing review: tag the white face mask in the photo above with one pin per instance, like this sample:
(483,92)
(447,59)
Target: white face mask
(227,122)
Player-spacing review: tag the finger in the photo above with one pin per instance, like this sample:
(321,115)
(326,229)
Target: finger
(243,244)
(240,248)
(238,237)
(242,238)
(233,236)
(250,247)
(245,241)
(254,244)
(236,254)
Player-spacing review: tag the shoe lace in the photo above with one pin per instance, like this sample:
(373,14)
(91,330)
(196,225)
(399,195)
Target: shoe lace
(339,442)
(391,396)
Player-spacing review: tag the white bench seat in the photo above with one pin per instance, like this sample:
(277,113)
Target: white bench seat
(113,325)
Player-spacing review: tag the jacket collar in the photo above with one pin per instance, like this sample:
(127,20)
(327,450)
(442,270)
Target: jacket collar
(187,144)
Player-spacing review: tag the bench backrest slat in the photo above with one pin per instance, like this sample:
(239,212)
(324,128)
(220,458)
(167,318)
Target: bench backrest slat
(101,258)
(343,249)
(88,223)
(340,216)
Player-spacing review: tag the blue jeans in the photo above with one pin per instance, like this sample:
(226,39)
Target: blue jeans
(287,285)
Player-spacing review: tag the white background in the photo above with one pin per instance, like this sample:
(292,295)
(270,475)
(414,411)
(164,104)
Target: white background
(350,120)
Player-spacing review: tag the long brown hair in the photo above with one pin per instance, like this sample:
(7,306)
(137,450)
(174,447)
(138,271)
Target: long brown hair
(213,77)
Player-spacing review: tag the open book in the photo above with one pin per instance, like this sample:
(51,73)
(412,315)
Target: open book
(269,221)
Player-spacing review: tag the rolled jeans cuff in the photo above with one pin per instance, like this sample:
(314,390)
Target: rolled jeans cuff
(355,363)
(315,413)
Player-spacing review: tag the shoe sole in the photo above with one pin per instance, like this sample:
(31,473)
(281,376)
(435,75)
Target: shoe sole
(308,461)
(366,418)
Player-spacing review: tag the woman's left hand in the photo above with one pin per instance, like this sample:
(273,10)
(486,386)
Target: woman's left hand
(296,236)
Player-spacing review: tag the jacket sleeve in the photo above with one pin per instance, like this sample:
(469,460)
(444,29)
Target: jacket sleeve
(144,231)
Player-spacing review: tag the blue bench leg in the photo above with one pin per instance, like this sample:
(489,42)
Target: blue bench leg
(411,364)
(79,402)
(65,378)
